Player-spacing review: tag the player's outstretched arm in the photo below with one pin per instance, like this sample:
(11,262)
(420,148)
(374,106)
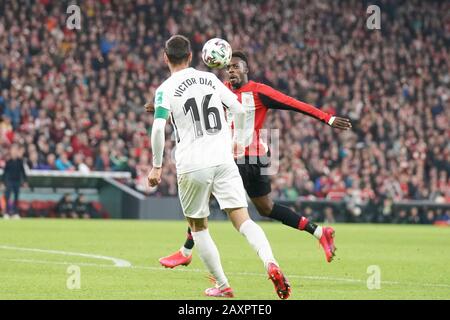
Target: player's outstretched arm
(275,99)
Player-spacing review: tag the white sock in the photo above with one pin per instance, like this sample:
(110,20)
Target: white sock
(257,239)
(318,233)
(185,251)
(209,254)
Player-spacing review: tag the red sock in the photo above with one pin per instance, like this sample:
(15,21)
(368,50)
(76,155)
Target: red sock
(303,222)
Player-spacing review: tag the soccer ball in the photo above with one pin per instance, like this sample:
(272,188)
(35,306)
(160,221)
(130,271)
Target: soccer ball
(216,53)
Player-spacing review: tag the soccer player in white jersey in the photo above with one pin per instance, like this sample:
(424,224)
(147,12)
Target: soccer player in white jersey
(204,160)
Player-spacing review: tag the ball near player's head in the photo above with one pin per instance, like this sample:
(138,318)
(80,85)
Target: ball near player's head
(177,52)
(238,69)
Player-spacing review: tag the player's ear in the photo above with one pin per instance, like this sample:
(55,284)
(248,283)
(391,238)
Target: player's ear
(244,67)
(166,59)
(190,58)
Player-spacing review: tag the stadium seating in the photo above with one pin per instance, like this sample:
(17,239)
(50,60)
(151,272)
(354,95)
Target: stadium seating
(80,93)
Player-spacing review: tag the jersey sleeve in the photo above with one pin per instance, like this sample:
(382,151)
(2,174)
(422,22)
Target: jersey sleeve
(235,111)
(158,140)
(162,103)
(274,99)
(162,111)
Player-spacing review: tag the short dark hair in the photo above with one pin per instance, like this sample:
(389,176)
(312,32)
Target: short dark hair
(241,55)
(177,49)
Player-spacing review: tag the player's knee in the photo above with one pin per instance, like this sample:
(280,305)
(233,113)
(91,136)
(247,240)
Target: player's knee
(237,216)
(264,209)
(198,225)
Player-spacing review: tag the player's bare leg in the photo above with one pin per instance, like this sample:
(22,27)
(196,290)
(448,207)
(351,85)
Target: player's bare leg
(209,254)
(258,240)
(267,208)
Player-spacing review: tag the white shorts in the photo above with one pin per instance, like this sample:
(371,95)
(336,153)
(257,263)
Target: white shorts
(223,181)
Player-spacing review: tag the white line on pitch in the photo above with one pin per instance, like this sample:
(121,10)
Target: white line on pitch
(117,262)
(293,276)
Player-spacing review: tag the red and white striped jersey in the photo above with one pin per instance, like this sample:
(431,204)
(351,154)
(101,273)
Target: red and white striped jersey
(257,99)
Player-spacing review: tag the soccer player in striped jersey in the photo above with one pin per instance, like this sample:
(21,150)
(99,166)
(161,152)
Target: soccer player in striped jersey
(257,99)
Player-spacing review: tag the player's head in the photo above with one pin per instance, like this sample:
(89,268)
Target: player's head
(238,69)
(177,51)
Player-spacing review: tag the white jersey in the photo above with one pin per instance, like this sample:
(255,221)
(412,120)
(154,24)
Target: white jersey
(195,100)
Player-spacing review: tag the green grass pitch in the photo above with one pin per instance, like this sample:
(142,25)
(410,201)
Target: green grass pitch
(414,261)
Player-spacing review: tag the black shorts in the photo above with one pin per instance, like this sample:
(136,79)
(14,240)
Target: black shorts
(255,183)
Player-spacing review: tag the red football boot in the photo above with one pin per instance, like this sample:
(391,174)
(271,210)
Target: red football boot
(327,242)
(175,260)
(216,292)
(282,286)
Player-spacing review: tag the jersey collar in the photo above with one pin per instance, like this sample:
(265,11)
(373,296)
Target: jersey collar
(183,71)
(244,87)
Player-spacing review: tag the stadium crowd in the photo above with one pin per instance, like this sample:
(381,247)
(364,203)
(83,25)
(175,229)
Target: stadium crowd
(73,99)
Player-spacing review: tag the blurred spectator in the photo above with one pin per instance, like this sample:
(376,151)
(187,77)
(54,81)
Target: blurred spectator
(119,162)
(414,217)
(79,163)
(402,217)
(63,163)
(34,163)
(131,168)
(51,162)
(387,211)
(102,163)
(329,215)
(12,111)
(353,202)
(443,215)
(65,207)
(13,177)
(429,217)
(81,207)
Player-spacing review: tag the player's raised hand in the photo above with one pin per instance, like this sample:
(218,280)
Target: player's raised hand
(341,123)
(154,177)
(149,106)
